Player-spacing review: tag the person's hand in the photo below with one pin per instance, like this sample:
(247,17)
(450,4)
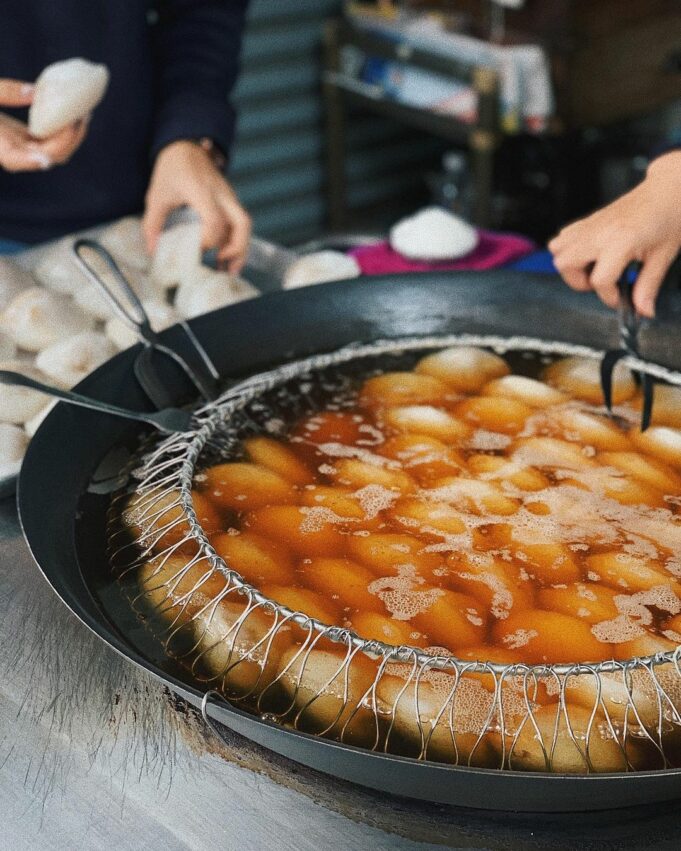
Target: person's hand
(643,225)
(19,151)
(184,173)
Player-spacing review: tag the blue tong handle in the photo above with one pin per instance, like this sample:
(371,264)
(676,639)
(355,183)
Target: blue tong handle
(629,322)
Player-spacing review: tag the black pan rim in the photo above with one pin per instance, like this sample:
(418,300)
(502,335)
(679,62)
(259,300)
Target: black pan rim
(331,292)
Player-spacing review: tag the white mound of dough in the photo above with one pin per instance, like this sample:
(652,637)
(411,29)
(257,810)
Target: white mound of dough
(433,234)
(13,279)
(68,361)
(36,318)
(94,300)
(177,255)
(58,269)
(322,267)
(125,241)
(161,316)
(36,421)
(8,349)
(211,290)
(65,92)
(13,443)
(19,404)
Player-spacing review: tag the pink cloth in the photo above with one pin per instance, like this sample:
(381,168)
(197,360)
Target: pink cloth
(493,249)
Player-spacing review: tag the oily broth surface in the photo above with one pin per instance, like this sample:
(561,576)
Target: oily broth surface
(466,517)
(446,509)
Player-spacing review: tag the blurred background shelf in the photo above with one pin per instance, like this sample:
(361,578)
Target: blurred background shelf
(342,91)
(616,75)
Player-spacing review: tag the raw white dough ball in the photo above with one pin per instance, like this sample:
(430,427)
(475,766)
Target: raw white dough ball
(177,256)
(210,291)
(125,241)
(13,443)
(69,361)
(7,348)
(36,318)
(161,316)
(433,234)
(322,267)
(93,300)
(13,279)
(19,404)
(58,269)
(36,421)
(65,92)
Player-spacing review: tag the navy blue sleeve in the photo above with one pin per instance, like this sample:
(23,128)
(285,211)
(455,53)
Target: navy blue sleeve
(666,148)
(197,45)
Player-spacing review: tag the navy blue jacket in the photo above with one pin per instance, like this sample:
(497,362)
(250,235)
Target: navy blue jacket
(173,64)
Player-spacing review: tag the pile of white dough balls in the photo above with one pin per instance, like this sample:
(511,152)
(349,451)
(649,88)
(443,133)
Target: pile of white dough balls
(57,326)
(433,235)
(321,267)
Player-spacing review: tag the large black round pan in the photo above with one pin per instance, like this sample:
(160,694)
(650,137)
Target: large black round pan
(63,518)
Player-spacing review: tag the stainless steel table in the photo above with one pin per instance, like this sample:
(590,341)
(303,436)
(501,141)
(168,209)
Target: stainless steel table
(96,754)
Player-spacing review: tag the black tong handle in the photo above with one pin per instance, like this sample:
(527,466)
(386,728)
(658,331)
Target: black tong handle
(629,324)
(129,308)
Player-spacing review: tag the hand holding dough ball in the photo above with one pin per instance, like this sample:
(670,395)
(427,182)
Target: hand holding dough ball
(66,92)
(37,318)
(433,234)
(322,267)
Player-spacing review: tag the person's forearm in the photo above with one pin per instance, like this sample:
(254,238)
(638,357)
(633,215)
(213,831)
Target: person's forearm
(643,225)
(197,45)
(666,167)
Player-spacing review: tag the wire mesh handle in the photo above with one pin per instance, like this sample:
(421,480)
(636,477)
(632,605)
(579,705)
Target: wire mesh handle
(205,701)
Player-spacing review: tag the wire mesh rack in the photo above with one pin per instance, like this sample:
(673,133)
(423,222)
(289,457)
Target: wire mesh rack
(326,680)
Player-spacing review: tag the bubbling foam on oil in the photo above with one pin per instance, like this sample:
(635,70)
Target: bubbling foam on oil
(401,594)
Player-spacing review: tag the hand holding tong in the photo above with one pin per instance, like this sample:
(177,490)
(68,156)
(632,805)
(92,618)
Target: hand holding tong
(629,325)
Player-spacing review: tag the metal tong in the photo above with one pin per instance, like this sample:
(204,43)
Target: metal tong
(168,420)
(128,307)
(629,324)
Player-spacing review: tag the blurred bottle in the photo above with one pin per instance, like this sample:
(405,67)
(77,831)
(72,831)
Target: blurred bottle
(452,188)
